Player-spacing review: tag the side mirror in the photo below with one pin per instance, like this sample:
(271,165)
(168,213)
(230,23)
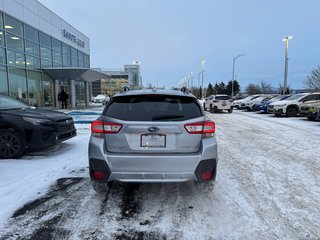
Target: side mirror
(206,99)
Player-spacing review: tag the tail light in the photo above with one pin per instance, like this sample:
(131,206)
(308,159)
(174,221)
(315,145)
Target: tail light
(207,175)
(99,127)
(205,128)
(99,175)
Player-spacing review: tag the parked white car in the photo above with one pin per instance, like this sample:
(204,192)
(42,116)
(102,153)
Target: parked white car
(101,98)
(290,106)
(218,102)
(241,104)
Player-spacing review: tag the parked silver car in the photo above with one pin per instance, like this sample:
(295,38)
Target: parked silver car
(152,136)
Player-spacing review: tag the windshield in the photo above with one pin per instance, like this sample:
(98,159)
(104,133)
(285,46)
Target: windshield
(295,97)
(7,102)
(153,108)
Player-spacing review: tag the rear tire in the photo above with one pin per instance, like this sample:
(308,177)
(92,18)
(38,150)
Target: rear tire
(204,107)
(291,112)
(11,144)
(211,109)
(230,110)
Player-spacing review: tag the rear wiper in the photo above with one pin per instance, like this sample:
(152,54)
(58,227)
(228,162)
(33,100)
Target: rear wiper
(166,116)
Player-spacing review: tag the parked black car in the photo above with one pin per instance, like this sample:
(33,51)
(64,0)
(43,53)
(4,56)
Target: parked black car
(23,127)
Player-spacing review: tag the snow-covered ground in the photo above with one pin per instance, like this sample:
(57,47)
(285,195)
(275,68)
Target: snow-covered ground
(267,188)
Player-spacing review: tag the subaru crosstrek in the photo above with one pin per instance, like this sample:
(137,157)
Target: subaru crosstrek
(152,136)
(25,128)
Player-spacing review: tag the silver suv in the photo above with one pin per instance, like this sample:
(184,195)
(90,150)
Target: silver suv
(152,136)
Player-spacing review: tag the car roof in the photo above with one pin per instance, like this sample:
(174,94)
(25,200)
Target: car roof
(154,92)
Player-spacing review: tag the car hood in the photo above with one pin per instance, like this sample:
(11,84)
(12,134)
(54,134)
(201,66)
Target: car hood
(39,113)
(283,102)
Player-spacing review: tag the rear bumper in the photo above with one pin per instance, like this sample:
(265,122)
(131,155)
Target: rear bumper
(153,167)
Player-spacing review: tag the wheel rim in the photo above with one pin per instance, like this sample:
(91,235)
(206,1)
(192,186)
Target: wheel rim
(292,112)
(9,145)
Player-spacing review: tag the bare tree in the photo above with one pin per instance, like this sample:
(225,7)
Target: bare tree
(280,89)
(253,89)
(313,80)
(265,87)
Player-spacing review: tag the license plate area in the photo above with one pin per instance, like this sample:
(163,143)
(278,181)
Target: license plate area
(153,140)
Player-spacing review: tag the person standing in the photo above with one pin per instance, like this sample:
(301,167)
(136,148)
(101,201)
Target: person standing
(63,97)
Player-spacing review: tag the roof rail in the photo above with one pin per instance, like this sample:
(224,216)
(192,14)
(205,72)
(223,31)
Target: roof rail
(125,89)
(184,90)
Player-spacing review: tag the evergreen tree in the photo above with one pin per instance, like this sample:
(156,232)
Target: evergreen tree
(210,90)
(236,87)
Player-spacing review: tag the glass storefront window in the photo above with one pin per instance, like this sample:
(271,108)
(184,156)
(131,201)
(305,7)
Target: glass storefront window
(34,79)
(86,61)
(47,91)
(1,38)
(80,64)
(66,49)
(45,53)
(80,94)
(56,45)
(2,56)
(66,60)
(56,57)
(32,62)
(74,53)
(32,48)
(3,80)
(15,58)
(55,64)
(64,84)
(45,39)
(80,56)
(18,83)
(74,62)
(45,64)
(31,33)
(13,25)
(14,42)
(1,21)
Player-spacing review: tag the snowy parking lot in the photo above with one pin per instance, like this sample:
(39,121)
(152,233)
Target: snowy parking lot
(267,188)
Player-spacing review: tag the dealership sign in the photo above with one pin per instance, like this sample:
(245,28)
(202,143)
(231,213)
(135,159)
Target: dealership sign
(72,38)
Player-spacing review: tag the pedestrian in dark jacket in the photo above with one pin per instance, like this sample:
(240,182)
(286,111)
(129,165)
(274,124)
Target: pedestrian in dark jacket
(63,97)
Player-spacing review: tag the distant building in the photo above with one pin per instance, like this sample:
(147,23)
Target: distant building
(117,79)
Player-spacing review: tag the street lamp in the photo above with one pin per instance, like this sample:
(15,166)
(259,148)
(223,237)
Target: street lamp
(286,64)
(202,71)
(233,67)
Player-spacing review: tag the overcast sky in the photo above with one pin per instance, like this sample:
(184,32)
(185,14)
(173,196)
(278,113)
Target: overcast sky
(171,37)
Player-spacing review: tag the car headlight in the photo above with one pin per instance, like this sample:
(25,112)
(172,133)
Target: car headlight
(37,121)
(281,105)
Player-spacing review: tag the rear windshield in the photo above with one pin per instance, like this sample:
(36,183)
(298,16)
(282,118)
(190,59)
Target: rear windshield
(153,108)
(223,97)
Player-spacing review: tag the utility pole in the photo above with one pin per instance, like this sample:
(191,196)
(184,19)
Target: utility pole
(285,81)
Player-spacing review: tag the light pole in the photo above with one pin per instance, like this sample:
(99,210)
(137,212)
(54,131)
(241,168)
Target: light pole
(202,64)
(286,64)
(233,67)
